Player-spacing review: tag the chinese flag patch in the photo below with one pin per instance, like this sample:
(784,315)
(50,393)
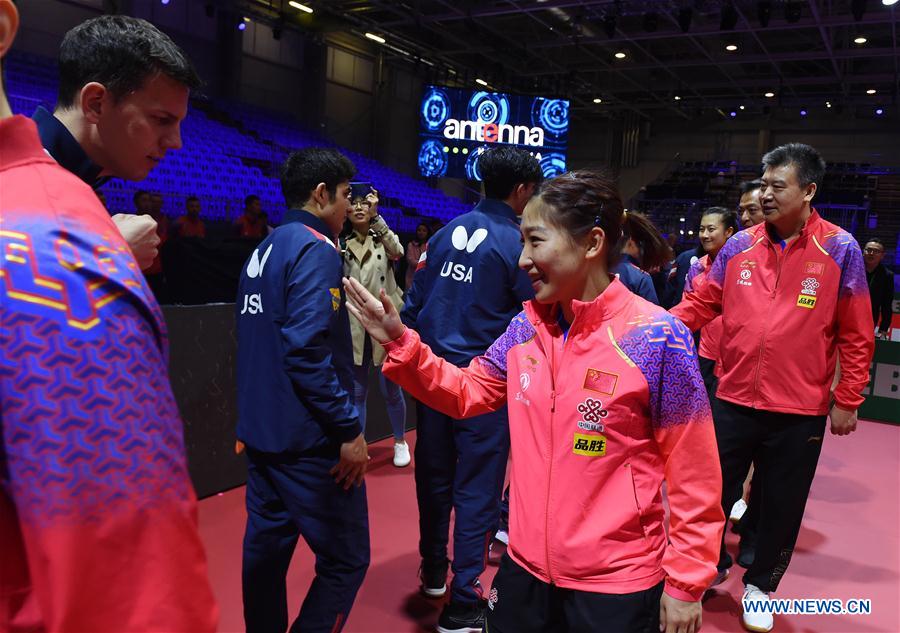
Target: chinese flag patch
(600,381)
(814,268)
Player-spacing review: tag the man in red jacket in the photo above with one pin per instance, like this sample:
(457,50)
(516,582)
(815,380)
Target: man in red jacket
(792,293)
(98,518)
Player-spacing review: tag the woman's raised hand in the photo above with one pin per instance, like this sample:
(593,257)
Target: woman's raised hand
(378,316)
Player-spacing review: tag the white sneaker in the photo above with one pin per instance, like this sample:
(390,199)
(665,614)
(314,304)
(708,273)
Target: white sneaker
(760,619)
(401,454)
(502,536)
(737,511)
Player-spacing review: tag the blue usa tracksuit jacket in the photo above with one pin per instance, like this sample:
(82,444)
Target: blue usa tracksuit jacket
(464,294)
(295,361)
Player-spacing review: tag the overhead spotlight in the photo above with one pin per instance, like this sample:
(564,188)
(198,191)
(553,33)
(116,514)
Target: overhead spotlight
(651,22)
(242,25)
(598,100)
(164,2)
(802,112)
(620,55)
(860,40)
(888,3)
(690,232)
(375,38)
(729,18)
(871,91)
(858,9)
(300,7)
(681,232)
(742,108)
(879,111)
(684,19)
(681,219)
(677,98)
(828,104)
(769,95)
(731,48)
(481,82)
(764,12)
(793,11)
(609,25)
(732,114)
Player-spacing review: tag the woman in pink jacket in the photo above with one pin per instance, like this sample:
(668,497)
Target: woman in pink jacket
(605,402)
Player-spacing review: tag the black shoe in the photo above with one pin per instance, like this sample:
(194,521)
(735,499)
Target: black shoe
(459,617)
(746,556)
(434,578)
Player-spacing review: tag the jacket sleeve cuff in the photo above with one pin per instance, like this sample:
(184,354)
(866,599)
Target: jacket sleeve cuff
(347,433)
(681,594)
(847,401)
(401,344)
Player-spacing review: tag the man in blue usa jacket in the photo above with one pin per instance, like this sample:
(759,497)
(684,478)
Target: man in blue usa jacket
(305,450)
(467,288)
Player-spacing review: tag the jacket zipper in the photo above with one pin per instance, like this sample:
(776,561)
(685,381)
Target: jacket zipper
(780,261)
(552,412)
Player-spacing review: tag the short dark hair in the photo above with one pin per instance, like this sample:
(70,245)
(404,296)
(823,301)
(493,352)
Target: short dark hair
(502,168)
(750,185)
(251,198)
(304,169)
(191,199)
(121,53)
(138,194)
(874,240)
(806,160)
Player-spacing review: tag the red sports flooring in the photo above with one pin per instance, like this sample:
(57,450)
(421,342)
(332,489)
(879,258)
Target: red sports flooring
(849,547)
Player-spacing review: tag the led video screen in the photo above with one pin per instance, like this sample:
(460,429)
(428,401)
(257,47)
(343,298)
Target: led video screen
(458,125)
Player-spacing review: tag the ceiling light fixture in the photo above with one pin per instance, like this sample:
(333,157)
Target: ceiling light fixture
(375,38)
(300,7)
(741,108)
(731,48)
(879,111)
(802,112)
(598,100)
(481,82)
(769,95)
(871,91)
(620,55)
(860,40)
(677,98)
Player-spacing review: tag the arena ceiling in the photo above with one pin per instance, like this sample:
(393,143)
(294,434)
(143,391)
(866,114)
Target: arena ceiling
(648,56)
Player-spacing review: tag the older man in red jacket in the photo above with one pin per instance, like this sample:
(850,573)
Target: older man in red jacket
(793,298)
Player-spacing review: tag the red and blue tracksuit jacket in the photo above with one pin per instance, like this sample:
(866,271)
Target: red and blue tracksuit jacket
(711,335)
(98,518)
(787,314)
(598,419)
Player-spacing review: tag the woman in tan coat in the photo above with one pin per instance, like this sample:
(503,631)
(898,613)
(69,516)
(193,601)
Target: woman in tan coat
(369,252)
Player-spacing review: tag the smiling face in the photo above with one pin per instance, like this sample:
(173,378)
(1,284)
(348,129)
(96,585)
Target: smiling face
(555,264)
(133,134)
(783,198)
(713,233)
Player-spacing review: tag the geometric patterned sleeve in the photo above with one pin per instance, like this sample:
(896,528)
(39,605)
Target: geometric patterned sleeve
(663,349)
(855,331)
